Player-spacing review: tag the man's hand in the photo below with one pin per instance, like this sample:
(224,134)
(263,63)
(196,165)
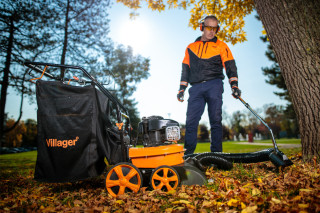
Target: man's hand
(180,95)
(236,93)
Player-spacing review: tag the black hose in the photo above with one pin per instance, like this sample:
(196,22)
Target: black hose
(251,157)
(214,160)
(224,160)
(190,156)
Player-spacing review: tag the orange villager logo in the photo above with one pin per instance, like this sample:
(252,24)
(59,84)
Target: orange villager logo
(61,143)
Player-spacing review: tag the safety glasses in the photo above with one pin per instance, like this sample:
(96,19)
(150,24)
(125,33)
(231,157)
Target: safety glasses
(209,28)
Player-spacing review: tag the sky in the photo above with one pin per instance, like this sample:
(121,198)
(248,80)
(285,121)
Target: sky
(163,38)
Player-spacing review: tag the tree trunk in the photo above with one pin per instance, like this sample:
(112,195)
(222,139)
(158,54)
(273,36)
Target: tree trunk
(21,105)
(293,30)
(5,80)
(65,42)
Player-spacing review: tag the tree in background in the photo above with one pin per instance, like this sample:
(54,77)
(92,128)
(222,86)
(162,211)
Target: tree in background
(29,137)
(61,32)
(226,133)
(14,137)
(81,31)
(274,117)
(252,123)
(292,28)
(84,26)
(23,35)
(237,126)
(128,70)
(203,133)
(182,131)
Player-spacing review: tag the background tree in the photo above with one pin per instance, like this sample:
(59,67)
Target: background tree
(274,116)
(226,133)
(203,133)
(128,70)
(237,126)
(182,131)
(14,137)
(81,30)
(83,27)
(61,32)
(23,35)
(292,28)
(29,137)
(252,123)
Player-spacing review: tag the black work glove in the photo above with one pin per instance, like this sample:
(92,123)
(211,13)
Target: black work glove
(236,93)
(180,95)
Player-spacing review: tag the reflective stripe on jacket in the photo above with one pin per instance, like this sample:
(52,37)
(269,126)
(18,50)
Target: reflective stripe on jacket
(204,61)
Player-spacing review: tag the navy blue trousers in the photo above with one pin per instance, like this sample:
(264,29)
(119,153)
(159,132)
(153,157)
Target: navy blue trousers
(209,92)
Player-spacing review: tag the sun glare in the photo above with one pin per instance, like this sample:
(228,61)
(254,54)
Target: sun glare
(135,33)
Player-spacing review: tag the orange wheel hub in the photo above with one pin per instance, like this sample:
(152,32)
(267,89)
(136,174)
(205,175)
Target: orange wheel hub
(165,178)
(122,178)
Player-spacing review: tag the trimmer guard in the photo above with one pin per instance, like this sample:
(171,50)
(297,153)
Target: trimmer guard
(72,132)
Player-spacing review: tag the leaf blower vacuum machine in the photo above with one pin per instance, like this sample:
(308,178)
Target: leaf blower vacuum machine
(81,125)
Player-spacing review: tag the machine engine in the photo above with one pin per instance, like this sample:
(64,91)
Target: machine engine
(158,131)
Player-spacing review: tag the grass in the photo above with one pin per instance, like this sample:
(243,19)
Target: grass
(282,141)
(19,163)
(237,147)
(23,162)
(231,147)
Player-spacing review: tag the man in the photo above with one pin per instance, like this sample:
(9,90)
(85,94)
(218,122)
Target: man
(202,67)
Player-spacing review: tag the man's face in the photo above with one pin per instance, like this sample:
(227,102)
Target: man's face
(209,34)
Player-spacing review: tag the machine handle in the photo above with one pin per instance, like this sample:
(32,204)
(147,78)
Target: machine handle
(262,121)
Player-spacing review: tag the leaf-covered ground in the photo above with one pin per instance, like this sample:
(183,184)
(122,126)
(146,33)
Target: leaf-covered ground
(246,188)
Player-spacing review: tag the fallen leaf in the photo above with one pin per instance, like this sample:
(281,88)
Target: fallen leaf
(233,202)
(305,190)
(243,206)
(275,200)
(183,195)
(303,205)
(250,209)
(169,210)
(181,202)
(297,198)
(255,192)
(208,204)
(120,202)
(171,192)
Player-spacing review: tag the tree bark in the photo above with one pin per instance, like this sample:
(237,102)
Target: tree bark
(65,42)
(21,105)
(293,30)
(5,79)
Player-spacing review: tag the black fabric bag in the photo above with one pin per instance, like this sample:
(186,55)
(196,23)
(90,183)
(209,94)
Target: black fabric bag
(73,136)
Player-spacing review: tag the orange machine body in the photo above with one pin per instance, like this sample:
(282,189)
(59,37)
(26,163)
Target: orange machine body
(152,157)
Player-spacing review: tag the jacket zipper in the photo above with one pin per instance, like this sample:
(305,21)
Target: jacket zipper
(206,48)
(204,43)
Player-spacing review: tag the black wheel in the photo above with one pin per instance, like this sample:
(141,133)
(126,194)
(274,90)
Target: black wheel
(122,178)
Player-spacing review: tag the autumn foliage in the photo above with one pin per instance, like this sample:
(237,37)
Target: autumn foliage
(246,188)
(230,13)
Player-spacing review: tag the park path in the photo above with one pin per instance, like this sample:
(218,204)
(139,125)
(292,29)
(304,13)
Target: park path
(285,146)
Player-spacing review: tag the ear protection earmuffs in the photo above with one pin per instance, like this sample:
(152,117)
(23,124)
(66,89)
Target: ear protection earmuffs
(202,24)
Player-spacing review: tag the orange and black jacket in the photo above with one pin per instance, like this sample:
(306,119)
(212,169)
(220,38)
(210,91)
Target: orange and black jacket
(205,61)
